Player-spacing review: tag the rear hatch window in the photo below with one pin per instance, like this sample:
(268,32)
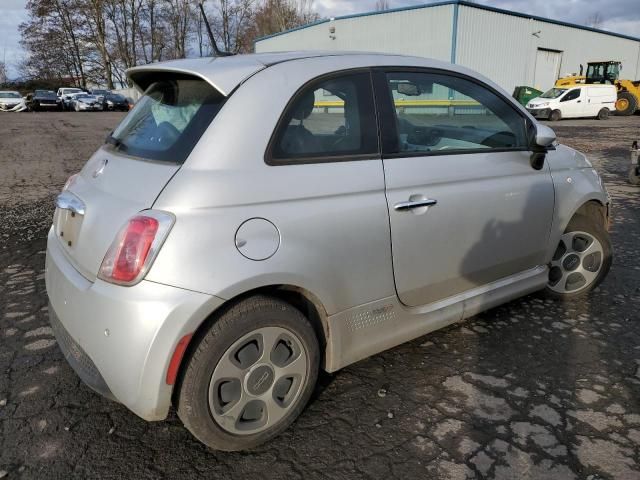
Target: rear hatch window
(168,120)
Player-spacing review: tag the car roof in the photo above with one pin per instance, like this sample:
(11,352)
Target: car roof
(226,73)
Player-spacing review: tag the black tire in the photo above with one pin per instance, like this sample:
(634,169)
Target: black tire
(555,115)
(580,223)
(634,177)
(603,114)
(631,104)
(239,320)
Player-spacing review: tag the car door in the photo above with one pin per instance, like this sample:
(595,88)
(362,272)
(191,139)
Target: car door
(572,104)
(466,207)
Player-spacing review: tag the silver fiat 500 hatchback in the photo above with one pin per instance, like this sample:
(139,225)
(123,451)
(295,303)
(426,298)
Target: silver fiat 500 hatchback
(257,218)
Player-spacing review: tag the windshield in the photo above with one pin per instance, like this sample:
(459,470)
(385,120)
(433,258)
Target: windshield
(116,97)
(67,91)
(168,120)
(553,93)
(45,93)
(9,95)
(82,95)
(602,72)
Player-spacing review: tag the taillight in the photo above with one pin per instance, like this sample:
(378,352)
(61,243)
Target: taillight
(135,247)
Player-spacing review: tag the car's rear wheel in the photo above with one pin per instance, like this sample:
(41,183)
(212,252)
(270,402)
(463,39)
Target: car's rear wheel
(250,375)
(603,114)
(581,260)
(555,115)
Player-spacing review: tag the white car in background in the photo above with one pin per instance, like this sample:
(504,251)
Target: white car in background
(577,101)
(65,95)
(11,101)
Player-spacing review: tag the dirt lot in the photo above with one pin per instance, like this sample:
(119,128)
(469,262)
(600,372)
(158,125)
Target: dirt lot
(532,389)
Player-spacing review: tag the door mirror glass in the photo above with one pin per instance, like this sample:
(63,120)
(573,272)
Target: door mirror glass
(544,136)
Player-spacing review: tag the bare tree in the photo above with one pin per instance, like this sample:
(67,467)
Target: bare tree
(96,41)
(3,73)
(595,20)
(274,16)
(382,5)
(232,23)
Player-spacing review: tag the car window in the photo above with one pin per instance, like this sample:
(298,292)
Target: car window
(438,112)
(168,120)
(571,95)
(332,117)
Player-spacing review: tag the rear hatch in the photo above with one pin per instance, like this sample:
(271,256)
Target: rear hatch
(142,154)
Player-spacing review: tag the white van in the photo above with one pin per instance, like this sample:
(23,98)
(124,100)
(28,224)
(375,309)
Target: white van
(575,102)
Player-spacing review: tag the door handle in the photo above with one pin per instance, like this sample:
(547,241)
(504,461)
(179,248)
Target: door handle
(410,205)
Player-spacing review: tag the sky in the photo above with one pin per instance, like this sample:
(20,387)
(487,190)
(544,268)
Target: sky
(621,16)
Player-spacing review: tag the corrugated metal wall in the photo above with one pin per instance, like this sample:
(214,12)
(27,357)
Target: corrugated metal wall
(421,32)
(504,47)
(500,46)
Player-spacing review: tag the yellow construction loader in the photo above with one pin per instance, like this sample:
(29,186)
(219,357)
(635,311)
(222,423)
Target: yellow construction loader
(608,72)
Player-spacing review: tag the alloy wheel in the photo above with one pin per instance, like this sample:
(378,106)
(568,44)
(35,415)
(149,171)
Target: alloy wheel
(576,262)
(258,380)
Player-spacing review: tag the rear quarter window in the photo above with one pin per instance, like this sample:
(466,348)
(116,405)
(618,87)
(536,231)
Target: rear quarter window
(168,120)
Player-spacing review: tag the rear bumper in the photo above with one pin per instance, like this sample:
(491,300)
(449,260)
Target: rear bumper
(77,358)
(93,108)
(120,339)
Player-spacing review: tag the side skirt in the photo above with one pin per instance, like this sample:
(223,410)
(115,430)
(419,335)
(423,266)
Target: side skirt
(373,327)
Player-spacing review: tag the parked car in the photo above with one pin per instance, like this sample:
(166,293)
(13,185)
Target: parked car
(11,101)
(578,101)
(115,101)
(65,93)
(43,100)
(83,102)
(224,245)
(101,93)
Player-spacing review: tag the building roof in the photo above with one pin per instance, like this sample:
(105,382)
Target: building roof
(454,2)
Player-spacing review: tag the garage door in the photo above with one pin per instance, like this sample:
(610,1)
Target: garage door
(547,68)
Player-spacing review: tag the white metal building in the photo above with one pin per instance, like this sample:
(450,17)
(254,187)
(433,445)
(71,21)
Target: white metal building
(508,47)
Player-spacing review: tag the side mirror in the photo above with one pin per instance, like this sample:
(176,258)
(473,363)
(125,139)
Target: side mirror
(544,136)
(543,139)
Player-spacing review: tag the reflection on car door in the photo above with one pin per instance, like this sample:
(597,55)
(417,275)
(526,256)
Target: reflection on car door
(466,207)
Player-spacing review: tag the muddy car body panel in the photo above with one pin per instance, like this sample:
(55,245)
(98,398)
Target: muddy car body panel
(469,229)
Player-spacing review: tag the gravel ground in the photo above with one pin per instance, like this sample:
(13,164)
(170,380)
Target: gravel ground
(530,390)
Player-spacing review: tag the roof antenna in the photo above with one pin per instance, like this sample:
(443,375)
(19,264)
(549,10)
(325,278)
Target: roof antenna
(216,51)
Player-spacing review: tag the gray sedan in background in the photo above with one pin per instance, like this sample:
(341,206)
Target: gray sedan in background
(84,102)
(255,219)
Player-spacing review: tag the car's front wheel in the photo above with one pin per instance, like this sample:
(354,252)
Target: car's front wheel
(581,260)
(250,375)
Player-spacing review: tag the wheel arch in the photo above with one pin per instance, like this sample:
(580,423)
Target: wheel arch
(298,297)
(593,209)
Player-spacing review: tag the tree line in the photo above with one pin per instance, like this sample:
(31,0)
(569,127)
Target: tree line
(81,42)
